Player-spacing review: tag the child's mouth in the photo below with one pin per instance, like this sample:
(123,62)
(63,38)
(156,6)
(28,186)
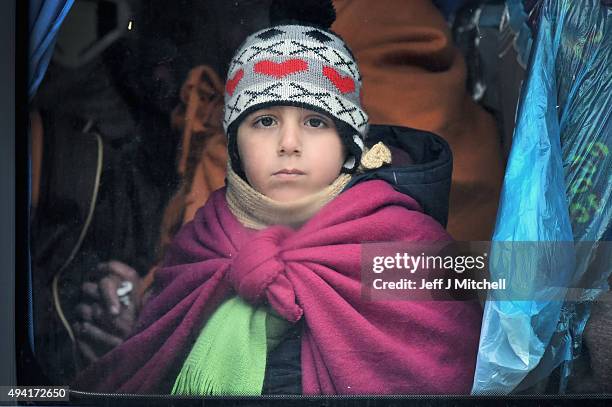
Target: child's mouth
(288,173)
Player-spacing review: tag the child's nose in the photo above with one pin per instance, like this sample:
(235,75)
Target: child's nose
(290,141)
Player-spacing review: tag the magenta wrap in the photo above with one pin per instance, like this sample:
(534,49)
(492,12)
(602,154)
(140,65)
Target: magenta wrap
(349,346)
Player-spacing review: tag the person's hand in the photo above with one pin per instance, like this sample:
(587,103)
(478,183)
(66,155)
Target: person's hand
(109,310)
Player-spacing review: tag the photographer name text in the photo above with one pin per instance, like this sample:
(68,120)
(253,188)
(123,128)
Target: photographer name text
(439,284)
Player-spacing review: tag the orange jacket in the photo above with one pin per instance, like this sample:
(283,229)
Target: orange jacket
(414,76)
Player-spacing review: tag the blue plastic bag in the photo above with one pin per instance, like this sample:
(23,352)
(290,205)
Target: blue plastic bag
(45,19)
(557,188)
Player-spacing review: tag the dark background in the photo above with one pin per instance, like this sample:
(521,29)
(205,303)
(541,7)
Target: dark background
(7,193)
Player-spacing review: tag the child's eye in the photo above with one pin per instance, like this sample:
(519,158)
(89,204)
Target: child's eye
(316,122)
(265,121)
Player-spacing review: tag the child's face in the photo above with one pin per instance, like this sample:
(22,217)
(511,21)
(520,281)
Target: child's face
(289,152)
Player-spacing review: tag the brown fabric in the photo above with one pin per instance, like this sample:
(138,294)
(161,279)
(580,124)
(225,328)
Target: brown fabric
(413,76)
(598,339)
(204,146)
(36,131)
(203,152)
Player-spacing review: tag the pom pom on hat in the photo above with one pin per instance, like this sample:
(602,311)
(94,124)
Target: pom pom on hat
(312,12)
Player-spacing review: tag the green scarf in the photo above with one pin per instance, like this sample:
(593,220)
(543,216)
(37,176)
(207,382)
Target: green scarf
(229,355)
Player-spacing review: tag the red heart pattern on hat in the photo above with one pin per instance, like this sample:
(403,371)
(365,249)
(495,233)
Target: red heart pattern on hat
(231,84)
(345,84)
(280,69)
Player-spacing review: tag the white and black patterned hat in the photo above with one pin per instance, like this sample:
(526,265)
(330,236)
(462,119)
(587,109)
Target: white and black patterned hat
(297,65)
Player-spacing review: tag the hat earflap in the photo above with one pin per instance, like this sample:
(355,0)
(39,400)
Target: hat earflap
(354,146)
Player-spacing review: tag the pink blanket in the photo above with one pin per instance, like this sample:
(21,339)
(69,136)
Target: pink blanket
(349,346)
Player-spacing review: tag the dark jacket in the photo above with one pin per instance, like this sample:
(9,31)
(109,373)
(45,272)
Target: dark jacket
(421,167)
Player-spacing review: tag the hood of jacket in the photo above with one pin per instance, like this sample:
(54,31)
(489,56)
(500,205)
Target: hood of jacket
(422,165)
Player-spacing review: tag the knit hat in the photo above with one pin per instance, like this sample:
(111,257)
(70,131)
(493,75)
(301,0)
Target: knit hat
(300,64)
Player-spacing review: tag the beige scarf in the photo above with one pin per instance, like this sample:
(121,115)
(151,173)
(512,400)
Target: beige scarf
(257,211)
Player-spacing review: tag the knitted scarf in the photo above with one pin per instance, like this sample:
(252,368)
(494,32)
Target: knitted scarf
(256,211)
(349,345)
(229,356)
(216,365)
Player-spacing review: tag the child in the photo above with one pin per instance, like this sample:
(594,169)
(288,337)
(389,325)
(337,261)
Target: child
(261,292)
